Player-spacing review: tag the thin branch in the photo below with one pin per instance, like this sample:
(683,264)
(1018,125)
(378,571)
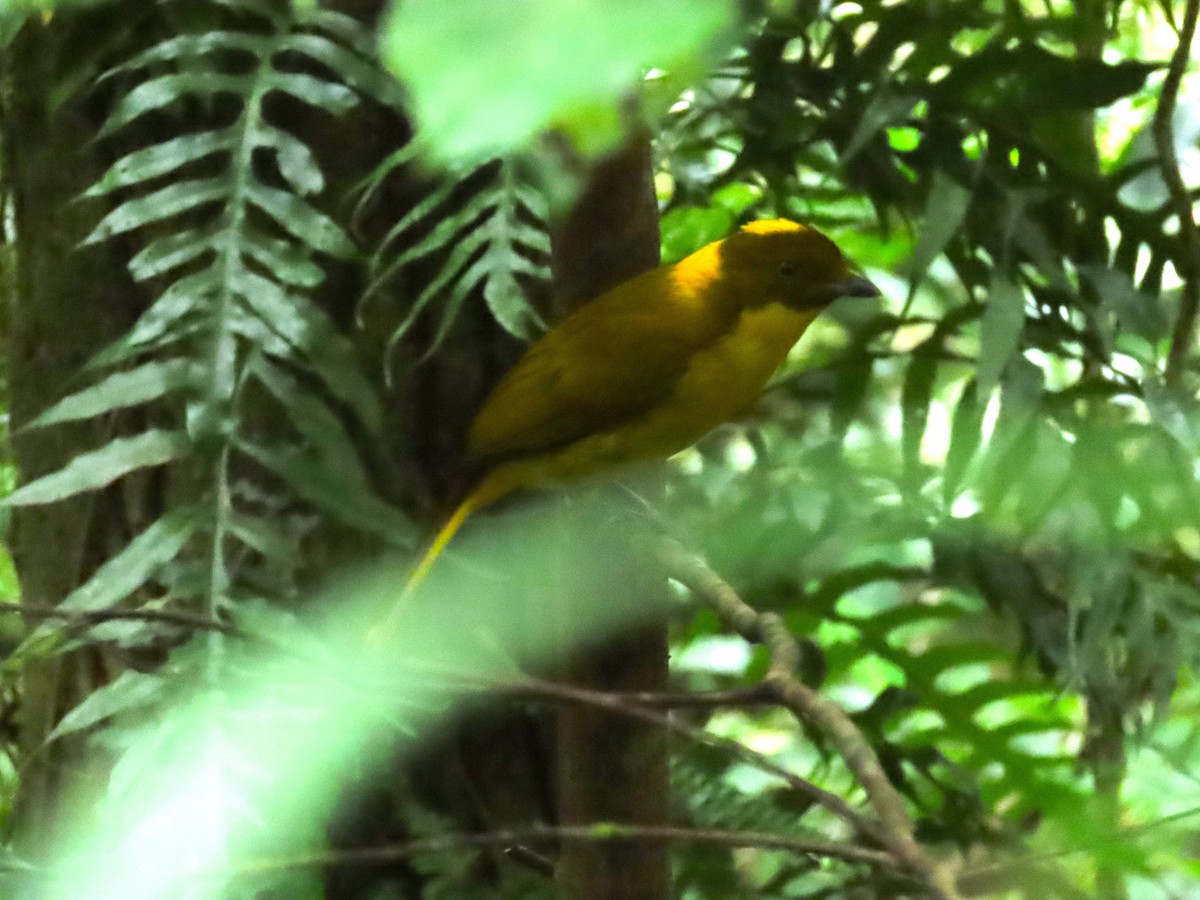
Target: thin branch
(533,689)
(602,832)
(1187,262)
(769,630)
(530,859)
(754,695)
(96,616)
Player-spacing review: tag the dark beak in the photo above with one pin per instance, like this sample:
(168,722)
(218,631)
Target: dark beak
(855,287)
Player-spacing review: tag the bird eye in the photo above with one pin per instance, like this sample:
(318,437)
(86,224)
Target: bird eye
(787,269)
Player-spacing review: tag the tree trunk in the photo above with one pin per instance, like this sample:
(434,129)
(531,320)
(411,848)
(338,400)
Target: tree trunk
(612,769)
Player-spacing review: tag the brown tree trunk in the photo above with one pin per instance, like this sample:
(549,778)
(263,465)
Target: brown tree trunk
(612,769)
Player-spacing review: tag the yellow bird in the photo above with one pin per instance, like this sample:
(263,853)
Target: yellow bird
(651,366)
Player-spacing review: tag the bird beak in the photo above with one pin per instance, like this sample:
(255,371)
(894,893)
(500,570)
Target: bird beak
(855,287)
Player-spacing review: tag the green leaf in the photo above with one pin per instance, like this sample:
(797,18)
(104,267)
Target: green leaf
(260,335)
(184,296)
(442,234)
(301,220)
(158,205)
(1008,454)
(296,162)
(885,108)
(1135,310)
(315,421)
(164,254)
(346,29)
(393,161)
(1174,410)
(327,491)
(686,229)
(504,296)
(980,695)
(310,331)
(265,538)
(965,437)
(167,89)
(945,209)
(131,690)
(454,271)
(359,72)
(142,557)
(934,661)
(493,224)
(120,352)
(122,389)
(160,159)
(449,310)
(1027,79)
(418,213)
(535,203)
(190,46)
(327,95)
(485,77)
(93,470)
(999,330)
(916,397)
(285,260)
(904,616)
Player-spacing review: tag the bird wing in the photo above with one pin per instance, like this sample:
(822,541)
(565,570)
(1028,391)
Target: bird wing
(610,361)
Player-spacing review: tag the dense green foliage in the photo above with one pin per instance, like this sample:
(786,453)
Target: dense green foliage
(975,503)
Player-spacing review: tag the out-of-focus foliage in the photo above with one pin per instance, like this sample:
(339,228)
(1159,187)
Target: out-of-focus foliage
(543,68)
(301,709)
(981,503)
(975,502)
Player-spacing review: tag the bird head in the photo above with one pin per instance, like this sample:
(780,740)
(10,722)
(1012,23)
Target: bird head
(780,261)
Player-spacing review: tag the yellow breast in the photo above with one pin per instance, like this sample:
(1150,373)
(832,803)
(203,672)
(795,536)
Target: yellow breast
(721,382)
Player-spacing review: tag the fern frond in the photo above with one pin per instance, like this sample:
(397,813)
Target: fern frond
(319,426)
(493,243)
(960,713)
(512,246)
(100,468)
(331,492)
(133,387)
(232,250)
(166,254)
(141,559)
(157,206)
(161,159)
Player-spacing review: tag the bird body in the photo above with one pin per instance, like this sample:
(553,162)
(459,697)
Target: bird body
(648,368)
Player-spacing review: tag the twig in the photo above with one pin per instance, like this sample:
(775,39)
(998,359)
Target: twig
(93,616)
(601,832)
(528,858)
(769,630)
(531,688)
(1187,263)
(754,695)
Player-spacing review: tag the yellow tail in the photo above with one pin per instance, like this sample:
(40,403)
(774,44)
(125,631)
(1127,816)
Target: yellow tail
(495,484)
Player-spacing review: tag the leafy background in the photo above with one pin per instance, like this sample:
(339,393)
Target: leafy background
(974,503)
